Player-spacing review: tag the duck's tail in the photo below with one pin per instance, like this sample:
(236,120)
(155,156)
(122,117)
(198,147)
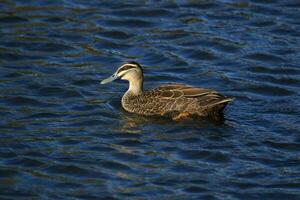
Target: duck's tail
(215,110)
(223,101)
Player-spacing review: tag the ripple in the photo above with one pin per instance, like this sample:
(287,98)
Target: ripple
(281,145)
(262,23)
(142,13)
(69,185)
(274,71)
(114,166)
(206,155)
(189,154)
(54,19)
(44,115)
(85,82)
(265,58)
(284,81)
(99,148)
(26,101)
(71,170)
(129,23)
(115,34)
(12,19)
(131,143)
(17,193)
(267,10)
(18,57)
(285,30)
(49,47)
(201,5)
(26,162)
(101,43)
(199,54)
(126,157)
(90,122)
(195,189)
(58,91)
(270,90)
(75,37)
(225,46)
(8,172)
(170,34)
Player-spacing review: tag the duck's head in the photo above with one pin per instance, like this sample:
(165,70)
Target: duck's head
(130,71)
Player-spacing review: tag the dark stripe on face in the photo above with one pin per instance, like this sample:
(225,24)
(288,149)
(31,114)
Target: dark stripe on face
(125,67)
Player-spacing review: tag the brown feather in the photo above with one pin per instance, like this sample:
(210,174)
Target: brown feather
(171,99)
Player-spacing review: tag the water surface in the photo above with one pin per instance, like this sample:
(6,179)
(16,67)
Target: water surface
(65,136)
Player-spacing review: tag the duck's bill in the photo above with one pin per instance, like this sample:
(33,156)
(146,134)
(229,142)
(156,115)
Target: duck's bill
(109,79)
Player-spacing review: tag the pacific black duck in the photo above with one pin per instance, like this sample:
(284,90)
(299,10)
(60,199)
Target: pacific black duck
(177,101)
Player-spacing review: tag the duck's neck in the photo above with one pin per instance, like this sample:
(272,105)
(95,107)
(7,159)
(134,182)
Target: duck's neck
(135,86)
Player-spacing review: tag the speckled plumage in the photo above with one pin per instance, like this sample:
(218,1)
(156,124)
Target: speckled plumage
(172,100)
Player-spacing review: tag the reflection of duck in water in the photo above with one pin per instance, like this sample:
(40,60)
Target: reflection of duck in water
(177,101)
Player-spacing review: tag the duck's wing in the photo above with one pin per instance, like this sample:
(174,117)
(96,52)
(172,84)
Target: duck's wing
(205,97)
(174,91)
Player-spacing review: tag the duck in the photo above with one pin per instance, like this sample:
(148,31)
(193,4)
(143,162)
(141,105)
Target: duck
(175,100)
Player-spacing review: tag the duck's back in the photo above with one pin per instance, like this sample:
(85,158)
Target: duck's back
(175,99)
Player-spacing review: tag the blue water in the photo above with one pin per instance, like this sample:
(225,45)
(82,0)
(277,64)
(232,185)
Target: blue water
(65,136)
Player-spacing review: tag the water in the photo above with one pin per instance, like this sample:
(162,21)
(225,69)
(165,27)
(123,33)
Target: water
(65,136)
